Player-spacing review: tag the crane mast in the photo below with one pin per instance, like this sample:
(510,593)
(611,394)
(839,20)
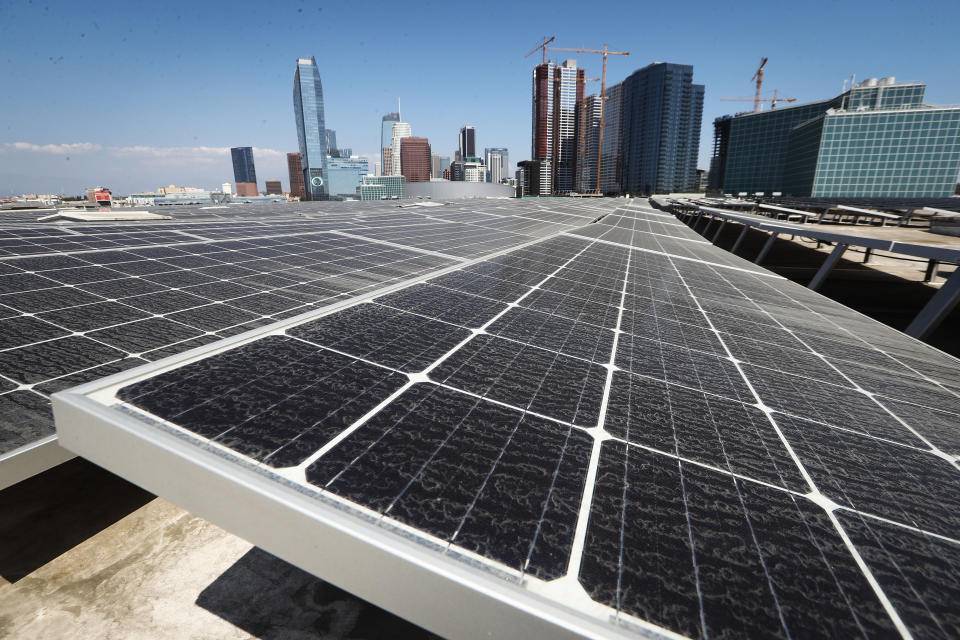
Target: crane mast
(758,76)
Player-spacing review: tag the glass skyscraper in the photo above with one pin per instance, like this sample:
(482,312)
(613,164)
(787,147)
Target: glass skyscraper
(661,112)
(876,140)
(386,139)
(468,141)
(311,132)
(243,169)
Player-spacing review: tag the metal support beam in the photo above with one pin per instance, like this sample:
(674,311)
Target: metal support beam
(766,247)
(867,254)
(931,272)
(708,220)
(695,219)
(939,307)
(723,223)
(823,214)
(827,266)
(740,238)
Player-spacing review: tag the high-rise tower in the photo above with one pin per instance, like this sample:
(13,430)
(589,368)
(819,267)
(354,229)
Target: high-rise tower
(662,110)
(498,163)
(392,163)
(468,141)
(243,167)
(415,159)
(295,169)
(568,87)
(386,139)
(557,92)
(311,132)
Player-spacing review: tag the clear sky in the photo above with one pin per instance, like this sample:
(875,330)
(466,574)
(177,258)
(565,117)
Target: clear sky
(140,95)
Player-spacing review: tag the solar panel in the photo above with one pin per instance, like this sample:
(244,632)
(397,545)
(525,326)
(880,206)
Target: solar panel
(578,436)
(80,301)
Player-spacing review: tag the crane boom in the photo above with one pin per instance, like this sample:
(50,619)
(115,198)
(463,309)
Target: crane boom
(773,101)
(603,94)
(542,45)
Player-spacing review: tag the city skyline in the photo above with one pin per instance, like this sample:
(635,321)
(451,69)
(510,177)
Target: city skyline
(190,132)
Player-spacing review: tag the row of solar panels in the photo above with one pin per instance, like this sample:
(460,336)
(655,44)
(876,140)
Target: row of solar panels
(618,429)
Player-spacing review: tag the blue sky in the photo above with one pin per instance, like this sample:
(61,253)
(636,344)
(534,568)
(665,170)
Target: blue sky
(136,96)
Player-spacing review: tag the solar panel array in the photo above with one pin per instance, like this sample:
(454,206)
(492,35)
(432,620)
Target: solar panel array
(639,429)
(78,302)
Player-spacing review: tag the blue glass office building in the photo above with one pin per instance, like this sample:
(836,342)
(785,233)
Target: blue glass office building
(243,169)
(660,128)
(756,146)
(877,140)
(344,175)
(311,132)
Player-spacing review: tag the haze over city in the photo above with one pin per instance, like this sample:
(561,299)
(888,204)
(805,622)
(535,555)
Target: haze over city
(110,94)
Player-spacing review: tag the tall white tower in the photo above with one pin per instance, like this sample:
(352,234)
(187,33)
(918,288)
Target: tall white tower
(400,130)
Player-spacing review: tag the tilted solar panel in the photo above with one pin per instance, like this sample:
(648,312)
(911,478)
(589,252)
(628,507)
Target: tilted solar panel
(581,436)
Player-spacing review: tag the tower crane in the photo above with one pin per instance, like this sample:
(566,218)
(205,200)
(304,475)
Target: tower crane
(542,45)
(773,101)
(758,76)
(603,92)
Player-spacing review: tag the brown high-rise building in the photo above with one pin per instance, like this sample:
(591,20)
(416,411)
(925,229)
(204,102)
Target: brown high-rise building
(295,168)
(274,188)
(387,161)
(415,159)
(247,189)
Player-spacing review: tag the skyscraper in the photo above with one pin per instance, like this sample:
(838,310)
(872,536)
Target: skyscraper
(568,88)
(611,162)
(386,139)
(311,132)
(415,159)
(244,172)
(295,169)
(468,141)
(557,92)
(274,188)
(662,110)
(498,163)
(400,130)
(331,141)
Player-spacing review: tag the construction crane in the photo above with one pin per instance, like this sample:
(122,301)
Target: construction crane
(603,93)
(542,45)
(773,101)
(758,76)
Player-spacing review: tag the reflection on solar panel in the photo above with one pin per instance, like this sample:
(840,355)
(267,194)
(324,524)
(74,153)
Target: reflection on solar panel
(617,430)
